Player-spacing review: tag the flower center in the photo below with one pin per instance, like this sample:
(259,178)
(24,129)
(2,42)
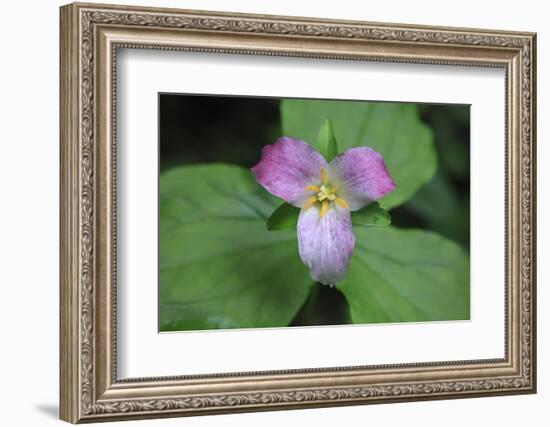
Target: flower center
(325,194)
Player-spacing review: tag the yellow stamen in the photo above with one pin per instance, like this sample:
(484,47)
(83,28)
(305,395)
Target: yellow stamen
(341,202)
(324,194)
(324,176)
(309,202)
(324,209)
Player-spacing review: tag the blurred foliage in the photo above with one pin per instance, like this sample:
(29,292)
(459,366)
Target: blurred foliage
(221,268)
(443,205)
(205,129)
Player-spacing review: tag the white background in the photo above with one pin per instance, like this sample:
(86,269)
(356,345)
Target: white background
(143,352)
(29,170)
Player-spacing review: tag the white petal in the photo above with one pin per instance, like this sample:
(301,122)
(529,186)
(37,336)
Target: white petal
(326,244)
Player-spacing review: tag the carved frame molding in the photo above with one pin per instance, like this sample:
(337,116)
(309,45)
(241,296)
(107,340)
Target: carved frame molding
(90,37)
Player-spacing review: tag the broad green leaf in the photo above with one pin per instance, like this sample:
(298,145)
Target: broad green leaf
(219,265)
(371,215)
(326,141)
(406,275)
(393,129)
(285,217)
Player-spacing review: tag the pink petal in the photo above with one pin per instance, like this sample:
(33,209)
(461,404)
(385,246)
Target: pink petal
(361,176)
(325,244)
(287,168)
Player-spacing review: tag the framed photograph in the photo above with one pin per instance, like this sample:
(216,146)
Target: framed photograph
(265,212)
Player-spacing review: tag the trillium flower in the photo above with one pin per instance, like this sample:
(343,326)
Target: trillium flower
(326,193)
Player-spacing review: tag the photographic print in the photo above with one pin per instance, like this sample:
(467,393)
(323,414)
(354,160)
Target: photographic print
(308,212)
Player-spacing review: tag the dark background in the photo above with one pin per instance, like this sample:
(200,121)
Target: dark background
(224,129)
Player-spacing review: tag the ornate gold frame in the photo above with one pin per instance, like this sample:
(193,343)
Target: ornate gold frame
(90,36)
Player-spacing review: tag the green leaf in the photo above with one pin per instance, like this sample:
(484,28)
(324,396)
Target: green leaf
(326,141)
(406,275)
(219,265)
(285,217)
(393,129)
(370,215)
